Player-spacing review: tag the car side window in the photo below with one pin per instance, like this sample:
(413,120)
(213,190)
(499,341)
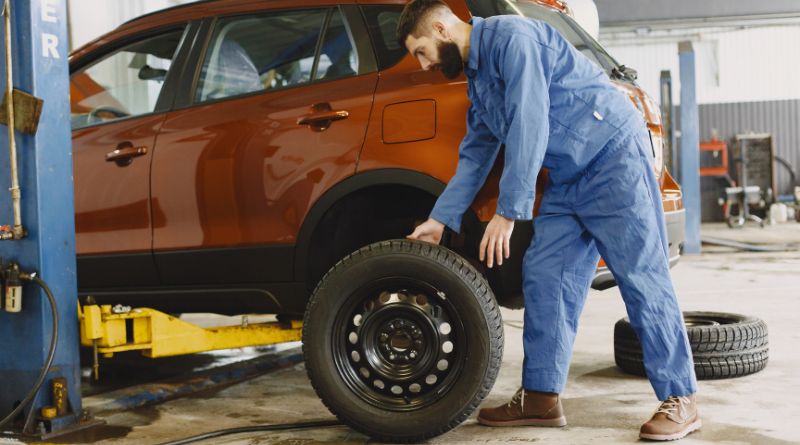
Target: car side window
(124,83)
(382,25)
(337,55)
(250,53)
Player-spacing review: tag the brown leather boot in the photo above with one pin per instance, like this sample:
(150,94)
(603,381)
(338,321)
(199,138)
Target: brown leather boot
(526,408)
(674,419)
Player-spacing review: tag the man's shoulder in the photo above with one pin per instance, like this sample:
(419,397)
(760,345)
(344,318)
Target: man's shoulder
(506,27)
(508,24)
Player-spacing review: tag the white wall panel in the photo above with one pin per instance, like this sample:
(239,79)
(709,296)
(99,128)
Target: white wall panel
(733,65)
(90,19)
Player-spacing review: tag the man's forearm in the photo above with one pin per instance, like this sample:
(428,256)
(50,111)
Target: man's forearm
(463,187)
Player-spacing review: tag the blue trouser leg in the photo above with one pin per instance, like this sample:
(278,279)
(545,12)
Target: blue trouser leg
(625,217)
(614,208)
(557,270)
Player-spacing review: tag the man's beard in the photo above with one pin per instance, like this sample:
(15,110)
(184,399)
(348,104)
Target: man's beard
(450,61)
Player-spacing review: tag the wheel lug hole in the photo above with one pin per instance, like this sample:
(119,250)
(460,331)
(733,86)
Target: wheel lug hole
(384,336)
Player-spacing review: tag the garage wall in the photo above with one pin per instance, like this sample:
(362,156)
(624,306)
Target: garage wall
(616,12)
(746,79)
(781,118)
(90,19)
(733,65)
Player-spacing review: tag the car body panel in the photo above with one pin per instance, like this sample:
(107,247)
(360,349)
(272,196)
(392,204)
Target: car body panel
(112,202)
(242,171)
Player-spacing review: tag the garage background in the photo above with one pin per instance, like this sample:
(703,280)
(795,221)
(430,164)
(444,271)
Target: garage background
(747,65)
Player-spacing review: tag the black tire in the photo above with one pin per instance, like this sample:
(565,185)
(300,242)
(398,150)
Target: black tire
(396,305)
(723,345)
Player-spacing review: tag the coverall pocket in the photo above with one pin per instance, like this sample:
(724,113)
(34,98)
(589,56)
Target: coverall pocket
(562,135)
(621,184)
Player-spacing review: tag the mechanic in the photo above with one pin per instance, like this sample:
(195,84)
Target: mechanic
(550,106)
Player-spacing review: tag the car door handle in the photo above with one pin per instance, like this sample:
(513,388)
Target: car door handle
(321,117)
(124,153)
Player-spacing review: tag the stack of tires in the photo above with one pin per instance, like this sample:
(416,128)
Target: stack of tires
(723,345)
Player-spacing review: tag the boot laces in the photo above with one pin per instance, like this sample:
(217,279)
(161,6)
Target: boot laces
(672,405)
(519,396)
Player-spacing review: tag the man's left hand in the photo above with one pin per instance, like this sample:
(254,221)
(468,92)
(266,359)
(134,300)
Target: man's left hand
(496,242)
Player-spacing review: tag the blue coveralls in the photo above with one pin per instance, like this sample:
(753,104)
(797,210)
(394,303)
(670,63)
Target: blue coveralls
(551,106)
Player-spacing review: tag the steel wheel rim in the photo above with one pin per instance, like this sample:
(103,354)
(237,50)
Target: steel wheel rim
(398,343)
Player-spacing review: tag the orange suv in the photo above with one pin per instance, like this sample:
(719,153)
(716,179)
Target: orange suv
(232,156)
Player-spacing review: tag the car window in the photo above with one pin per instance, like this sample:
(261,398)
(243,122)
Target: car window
(382,26)
(337,55)
(256,53)
(564,24)
(123,84)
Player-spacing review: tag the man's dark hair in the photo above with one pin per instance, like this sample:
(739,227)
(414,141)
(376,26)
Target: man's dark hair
(412,16)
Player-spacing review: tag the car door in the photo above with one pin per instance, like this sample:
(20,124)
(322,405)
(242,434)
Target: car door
(117,109)
(277,115)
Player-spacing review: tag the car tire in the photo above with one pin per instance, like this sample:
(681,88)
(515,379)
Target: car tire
(402,340)
(723,345)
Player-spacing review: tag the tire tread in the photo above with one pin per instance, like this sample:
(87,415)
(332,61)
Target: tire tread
(721,351)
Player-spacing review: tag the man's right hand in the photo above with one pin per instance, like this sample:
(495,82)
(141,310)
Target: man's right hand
(430,231)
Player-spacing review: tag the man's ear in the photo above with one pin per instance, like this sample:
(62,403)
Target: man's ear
(440,30)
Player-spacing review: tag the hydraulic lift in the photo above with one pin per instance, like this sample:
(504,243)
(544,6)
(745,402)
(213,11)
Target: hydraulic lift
(109,329)
(39,240)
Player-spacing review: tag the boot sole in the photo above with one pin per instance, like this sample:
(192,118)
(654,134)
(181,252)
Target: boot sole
(694,426)
(557,422)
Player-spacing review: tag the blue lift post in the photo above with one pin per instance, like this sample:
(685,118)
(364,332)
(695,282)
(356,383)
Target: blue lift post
(690,148)
(667,118)
(39,42)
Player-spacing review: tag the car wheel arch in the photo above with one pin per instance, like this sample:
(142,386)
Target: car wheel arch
(397,179)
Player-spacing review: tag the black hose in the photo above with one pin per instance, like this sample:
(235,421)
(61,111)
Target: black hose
(253,429)
(792,174)
(50,355)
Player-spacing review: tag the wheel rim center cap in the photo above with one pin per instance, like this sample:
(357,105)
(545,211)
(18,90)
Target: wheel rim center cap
(401,341)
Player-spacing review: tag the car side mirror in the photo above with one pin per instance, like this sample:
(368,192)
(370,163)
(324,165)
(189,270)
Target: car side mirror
(630,73)
(149,73)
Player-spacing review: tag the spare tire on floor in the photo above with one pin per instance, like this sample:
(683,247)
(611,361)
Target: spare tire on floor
(402,340)
(723,345)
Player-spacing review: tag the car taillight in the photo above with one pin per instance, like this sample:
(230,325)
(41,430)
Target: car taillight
(657,142)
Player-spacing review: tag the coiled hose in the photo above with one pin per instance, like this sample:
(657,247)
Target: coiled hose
(50,354)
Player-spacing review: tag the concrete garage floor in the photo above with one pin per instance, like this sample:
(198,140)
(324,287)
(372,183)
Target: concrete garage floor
(602,404)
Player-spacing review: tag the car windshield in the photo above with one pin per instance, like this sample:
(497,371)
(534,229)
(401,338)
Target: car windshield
(562,22)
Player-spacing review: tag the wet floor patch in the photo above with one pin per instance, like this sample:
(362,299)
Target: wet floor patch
(118,426)
(93,435)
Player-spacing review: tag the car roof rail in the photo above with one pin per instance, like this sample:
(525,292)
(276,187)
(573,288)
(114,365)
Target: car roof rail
(171,8)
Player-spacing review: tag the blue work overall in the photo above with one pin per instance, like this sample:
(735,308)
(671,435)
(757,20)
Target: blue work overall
(533,92)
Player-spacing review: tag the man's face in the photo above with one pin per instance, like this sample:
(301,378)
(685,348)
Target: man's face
(436,53)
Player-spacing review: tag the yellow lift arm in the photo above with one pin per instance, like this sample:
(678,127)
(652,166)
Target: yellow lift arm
(157,334)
